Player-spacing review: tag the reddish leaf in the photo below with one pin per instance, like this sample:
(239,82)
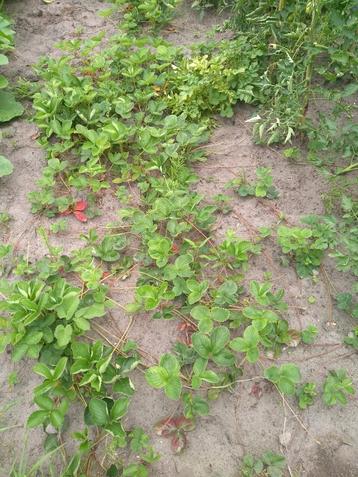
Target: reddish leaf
(178,442)
(256,391)
(184,326)
(80,216)
(184,424)
(175,248)
(166,427)
(187,329)
(80,206)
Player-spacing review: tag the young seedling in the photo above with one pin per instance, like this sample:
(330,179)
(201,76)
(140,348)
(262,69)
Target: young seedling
(337,387)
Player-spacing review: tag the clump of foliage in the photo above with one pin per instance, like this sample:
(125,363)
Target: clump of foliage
(9,107)
(45,319)
(336,388)
(135,110)
(270,464)
(115,119)
(215,77)
(139,13)
(333,138)
(300,43)
(305,246)
(127,95)
(263,187)
(341,234)
(306,395)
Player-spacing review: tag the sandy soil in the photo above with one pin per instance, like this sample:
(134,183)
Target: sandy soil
(320,442)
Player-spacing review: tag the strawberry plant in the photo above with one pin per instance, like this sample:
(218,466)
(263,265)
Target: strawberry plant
(166,376)
(345,302)
(337,387)
(176,429)
(269,464)
(9,107)
(156,13)
(308,335)
(262,188)
(206,316)
(352,338)
(306,395)
(285,377)
(234,252)
(214,346)
(247,344)
(306,246)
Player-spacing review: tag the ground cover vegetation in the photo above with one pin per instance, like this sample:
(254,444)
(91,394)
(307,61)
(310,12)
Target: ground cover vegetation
(9,107)
(136,124)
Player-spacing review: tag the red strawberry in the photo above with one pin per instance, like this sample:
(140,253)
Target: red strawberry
(80,206)
(80,216)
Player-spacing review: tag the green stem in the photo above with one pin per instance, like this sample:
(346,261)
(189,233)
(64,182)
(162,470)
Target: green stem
(281,5)
(351,168)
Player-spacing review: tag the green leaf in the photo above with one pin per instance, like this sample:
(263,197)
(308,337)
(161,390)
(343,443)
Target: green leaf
(336,386)
(9,107)
(247,344)
(44,402)
(173,388)
(202,314)
(197,290)
(200,366)
(210,377)
(182,266)
(93,311)
(157,377)
(81,323)
(224,358)
(63,335)
(116,429)
(56,419)
(194,406)
(60,368)
(37,418)
(42,370)
(68,305)
(226,293)
(51,442)
(170,363)
(159,249)
(135,470)
(3,82)
(286,377)
(201,344)
(205,316)
(220,314)
(220,337)
(6,167)
(308,335)
(3,60)
(98,411)
(119,408)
